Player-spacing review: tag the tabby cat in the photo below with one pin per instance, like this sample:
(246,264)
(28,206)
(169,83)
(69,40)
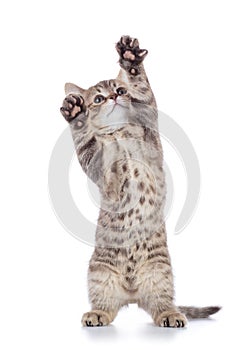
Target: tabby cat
(115,131)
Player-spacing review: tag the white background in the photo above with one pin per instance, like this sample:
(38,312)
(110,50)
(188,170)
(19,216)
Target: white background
(198,66)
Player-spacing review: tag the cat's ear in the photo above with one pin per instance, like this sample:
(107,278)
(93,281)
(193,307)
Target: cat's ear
(73,89)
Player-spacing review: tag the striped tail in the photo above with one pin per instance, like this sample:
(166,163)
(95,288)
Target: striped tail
(198,312)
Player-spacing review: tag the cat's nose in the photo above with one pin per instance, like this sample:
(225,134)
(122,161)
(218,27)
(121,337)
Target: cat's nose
(113,97)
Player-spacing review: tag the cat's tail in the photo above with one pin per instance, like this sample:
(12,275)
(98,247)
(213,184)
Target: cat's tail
(198,312)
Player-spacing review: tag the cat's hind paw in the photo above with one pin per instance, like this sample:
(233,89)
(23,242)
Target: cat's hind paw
(73,105)
(95,318)
(171,319)
(129,50)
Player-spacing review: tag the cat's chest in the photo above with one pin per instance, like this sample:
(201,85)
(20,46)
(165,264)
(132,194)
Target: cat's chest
(126,145)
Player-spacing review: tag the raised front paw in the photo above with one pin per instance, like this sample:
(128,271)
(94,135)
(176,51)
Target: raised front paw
(129,50)
(72,106)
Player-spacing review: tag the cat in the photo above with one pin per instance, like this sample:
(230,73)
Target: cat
(115,132)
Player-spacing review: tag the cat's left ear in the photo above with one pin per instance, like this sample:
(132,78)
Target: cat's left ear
(73,89)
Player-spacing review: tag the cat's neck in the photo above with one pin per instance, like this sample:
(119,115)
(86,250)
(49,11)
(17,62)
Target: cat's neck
(125,132)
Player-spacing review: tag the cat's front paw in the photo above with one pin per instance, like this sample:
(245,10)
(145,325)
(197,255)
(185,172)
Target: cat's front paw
(73,105)
(129,50)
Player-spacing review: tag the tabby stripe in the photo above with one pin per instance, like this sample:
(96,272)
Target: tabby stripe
(156,246)
(102,267)
(106,261)
(136,100)
(87,151)
(87,145)
(161,256)
(97,281)
(150,136)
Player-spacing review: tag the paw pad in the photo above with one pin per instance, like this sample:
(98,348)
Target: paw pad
(133,71)
(129,55)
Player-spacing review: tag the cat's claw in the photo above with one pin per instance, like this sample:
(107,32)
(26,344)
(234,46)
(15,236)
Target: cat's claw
(129,50)
(73,105)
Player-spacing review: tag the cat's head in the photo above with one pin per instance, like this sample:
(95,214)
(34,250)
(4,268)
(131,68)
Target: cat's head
(106,104)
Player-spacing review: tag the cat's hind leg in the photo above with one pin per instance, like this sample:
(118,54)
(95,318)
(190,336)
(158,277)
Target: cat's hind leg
(156,296)
(104,296)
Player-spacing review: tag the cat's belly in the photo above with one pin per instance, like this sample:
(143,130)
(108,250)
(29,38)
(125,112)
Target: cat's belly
(137,212)
(129,270)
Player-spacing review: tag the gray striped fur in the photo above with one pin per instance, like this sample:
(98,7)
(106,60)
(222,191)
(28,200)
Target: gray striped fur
(115,131)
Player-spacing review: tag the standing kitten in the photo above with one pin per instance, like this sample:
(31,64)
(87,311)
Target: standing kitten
(115,131)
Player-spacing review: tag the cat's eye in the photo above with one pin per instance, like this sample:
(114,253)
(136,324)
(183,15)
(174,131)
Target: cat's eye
(99,99)
(121,91)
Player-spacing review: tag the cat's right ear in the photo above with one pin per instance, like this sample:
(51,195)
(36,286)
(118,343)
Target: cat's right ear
(73,89)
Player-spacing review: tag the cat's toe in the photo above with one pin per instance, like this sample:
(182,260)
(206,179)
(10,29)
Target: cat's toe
(129,42)
(75,100)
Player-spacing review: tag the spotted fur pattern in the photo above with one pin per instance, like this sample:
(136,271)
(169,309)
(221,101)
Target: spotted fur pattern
(115,131)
